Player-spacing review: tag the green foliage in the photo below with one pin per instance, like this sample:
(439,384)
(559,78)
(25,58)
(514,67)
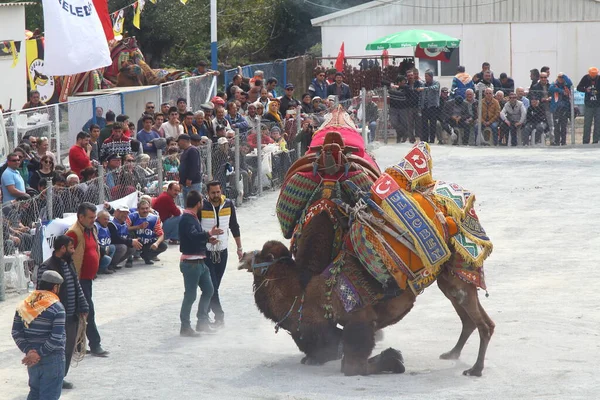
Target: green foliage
(176,35)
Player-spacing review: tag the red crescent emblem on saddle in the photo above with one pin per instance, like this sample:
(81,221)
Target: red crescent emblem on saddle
(418,160)
(384,186)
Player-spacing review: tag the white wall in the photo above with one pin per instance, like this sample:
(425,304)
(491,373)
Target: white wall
(512,48)
(13,81)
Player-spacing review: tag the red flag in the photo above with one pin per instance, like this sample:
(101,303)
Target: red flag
(436,53)
(339,63)
(385,58)
(101,7)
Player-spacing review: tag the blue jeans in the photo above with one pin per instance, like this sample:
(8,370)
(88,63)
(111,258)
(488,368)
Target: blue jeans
(195,186)
(372,129)
(171,228)
(195,274)
(106,259)
(46,377)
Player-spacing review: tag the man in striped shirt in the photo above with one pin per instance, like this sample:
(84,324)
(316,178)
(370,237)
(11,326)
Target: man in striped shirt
(71,296)
(39,332)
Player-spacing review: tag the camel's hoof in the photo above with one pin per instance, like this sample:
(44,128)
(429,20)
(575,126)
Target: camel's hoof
(451,355)
(472,372)
(390,360)
(310,361)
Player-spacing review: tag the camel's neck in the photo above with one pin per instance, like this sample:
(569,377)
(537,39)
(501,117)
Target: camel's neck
(278,292)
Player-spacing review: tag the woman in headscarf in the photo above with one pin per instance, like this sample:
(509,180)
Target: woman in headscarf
(273,114)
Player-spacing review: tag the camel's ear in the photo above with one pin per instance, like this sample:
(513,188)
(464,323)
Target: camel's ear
(246,262)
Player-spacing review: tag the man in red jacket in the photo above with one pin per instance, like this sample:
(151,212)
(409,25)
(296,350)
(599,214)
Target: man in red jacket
(87,261)
(169,213)
(79,154)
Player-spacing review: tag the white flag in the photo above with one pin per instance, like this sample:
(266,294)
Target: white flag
(75,40)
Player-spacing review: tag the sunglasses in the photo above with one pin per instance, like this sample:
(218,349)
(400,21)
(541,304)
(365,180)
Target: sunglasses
(152,107)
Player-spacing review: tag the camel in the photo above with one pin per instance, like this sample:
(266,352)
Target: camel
(291,296)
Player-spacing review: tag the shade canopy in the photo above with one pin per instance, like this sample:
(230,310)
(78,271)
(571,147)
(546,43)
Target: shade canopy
(412,38)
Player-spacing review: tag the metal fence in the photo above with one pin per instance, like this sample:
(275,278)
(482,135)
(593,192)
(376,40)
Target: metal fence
(61,122)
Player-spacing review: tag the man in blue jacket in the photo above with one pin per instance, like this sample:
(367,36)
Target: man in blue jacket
(318,86)
(192,244)
(560,106)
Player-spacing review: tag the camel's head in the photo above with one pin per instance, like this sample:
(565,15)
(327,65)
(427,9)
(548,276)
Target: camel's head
(258,262)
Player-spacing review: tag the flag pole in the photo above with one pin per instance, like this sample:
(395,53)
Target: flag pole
(213,35)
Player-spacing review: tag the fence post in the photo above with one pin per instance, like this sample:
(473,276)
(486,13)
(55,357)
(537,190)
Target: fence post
(94,110)
(213,89)
(209,161)
(160,96)
(258,155)
(57,131)
(385,114)
(49,200)
(236,165)
(479,137)
(363,119)
(101,183)
(16,129)
(188,97)
(2,280)
(572,101)
(284,74)
(159,170)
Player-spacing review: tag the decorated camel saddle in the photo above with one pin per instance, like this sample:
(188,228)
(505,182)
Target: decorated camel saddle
(404,230)
(336,155)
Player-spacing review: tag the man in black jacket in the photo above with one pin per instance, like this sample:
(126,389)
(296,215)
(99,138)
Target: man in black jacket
(340,89)
(190,171)
(70,294)
(192,244)
(536,119)
(590,85)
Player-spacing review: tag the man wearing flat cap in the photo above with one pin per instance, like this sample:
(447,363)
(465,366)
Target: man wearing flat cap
(39,332)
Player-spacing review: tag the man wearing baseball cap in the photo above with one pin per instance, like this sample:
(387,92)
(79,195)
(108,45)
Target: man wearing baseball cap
(589,85)
(39,332)
(190,170)
(288,99)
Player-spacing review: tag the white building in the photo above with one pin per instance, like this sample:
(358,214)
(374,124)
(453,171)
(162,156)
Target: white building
(514,36)
(13,80)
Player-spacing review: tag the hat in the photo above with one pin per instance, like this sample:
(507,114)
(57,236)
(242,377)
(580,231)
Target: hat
(218,101)
(52,277)
(207,106)
(222,140)
(112,157)
(122,208)
(331,97)
(204,138)
(445,89)
(183,137)
(219,127)
(289,86)
(196,137)
(181,99)
(316,98)
(275,129)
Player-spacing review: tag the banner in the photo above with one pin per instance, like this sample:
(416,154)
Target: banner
(118,22)
(36,71)
(10,48)
(435,53)
(101,7)
(59,226)
(75,40)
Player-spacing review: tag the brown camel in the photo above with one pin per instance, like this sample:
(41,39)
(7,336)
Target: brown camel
(293,297)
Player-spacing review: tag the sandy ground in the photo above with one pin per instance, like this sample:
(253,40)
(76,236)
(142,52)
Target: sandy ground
(537,205)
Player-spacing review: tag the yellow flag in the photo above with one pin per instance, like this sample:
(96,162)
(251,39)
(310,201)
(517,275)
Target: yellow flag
(184,1)
(139,6)
(15,49)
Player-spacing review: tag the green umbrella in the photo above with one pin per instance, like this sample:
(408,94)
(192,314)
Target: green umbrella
(412,38)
